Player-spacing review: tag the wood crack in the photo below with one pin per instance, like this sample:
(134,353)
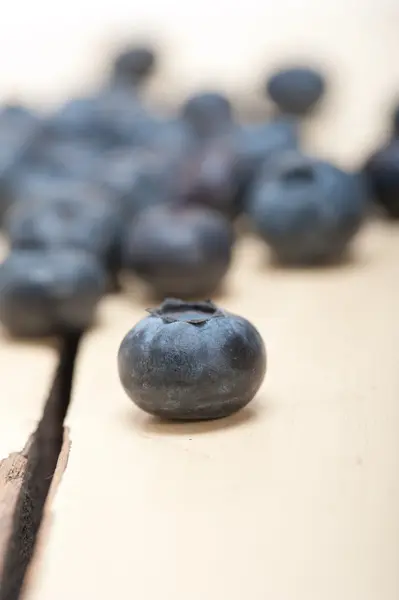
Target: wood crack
(27,477)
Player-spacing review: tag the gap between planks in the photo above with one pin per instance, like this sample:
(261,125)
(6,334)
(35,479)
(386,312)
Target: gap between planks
(28,476)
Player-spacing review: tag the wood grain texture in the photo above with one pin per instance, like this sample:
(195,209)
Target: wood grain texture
(12,471)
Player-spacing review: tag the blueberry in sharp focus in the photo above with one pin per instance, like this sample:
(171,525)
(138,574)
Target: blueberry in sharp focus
(134,64)
(74,215)
(296,90)
(208,113)
(307,210)
(178,250)
(192,361)
(382,173)
(44,293)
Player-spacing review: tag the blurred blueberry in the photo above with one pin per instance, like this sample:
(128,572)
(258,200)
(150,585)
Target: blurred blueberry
(169,138)
(395,122)
(75,158)
(208,113)
(192,361)
(120,117)
(19,129)
(44,293)
(179,250)
(307,210)
(74,120)
(18,117)
(133,65)
(382,173)
(260,142)
(207,176)
(74,215)
(135,179)
(296,90)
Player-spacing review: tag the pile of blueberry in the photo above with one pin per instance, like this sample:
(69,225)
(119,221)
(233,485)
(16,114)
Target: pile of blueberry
(106,187)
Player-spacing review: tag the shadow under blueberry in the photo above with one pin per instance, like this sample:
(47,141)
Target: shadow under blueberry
(348,260)
(44,342)
(149,424)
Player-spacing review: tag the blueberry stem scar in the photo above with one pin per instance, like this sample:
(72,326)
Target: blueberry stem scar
(196,313)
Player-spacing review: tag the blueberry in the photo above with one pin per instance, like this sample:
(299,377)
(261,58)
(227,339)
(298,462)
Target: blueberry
(192,361)
(74,120)
(307,210)
(73,158)
(169,138)
(260,142)
(135,179)
(73,215)
(382,173)
(134,64)
(208,113)
(208,177)
(120,117)
(19,129)
(296,90)
(395,122)
(44,293)
(179,250)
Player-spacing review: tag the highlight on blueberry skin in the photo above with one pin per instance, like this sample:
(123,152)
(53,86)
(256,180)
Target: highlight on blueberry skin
(296,90)
(307,210)
(191,361)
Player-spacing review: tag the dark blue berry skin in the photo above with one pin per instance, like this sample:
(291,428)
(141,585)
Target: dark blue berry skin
(192,361)
(258,143)
(45,293)
(208,113)
(70,158)
(133,65)
(395,122)
(74,120)
(135,179)
(307,210)
(19,129)
(296,90)
(207,177)
(180,251)
(382,174)
(73,215)
(168,138)
(120,117)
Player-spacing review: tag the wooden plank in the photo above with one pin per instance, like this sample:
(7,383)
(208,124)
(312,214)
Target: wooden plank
(293,498)
(12,471)
(27,371)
